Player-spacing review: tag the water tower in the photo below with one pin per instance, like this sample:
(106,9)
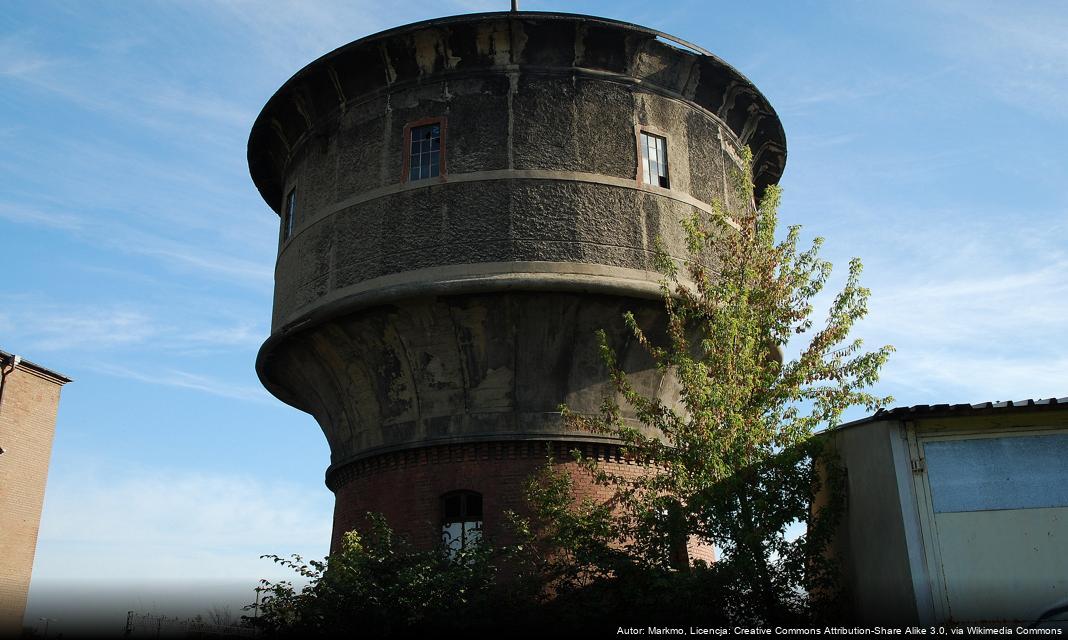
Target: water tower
(462,203)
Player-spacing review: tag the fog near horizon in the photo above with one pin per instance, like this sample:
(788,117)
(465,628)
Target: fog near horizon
(91,607)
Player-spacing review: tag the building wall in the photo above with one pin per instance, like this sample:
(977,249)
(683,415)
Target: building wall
(467,367)
(956,514)
(541,114)
(462,310)
(406,487)
(27,423)
(545,172)
(872,544)
(994,508)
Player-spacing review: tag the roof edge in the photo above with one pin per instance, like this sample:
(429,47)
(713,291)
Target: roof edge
(262,126)
(7,359)
(925,411)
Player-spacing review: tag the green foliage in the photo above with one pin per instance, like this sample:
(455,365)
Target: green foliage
(735,463)
(378,585)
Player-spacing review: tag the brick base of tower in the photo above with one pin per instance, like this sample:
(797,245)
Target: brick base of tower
(406,486)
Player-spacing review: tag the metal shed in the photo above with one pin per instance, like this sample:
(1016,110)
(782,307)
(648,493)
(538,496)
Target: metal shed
(956,513)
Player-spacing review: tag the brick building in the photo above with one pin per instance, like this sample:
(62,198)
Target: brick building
(29,399)
(463,203)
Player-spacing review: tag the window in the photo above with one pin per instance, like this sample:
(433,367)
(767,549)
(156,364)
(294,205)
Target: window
(424,150)
(654,159)
(461,520)
(290,215)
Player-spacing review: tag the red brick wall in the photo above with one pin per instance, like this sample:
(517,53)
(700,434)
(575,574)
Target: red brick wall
(27,423)
(407,486)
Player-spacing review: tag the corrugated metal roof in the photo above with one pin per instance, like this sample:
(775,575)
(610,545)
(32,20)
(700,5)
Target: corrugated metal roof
(920,411)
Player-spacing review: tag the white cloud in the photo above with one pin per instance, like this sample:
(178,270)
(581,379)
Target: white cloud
(976,310)
(193,253)
(1018,51)
(27,215)
(190,255)
(204,327)
(973,310)
(291,34)
(243,334)
(168,541)
(167,514)
(973,317)
(183,102)
(19,60)
(975,376)
(187,380)
(52,328)
(806,97)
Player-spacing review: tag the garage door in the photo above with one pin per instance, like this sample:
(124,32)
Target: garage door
(999,510)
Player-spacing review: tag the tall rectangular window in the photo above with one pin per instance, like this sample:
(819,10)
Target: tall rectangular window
(461,521)
(654,160)
(424,157)
(290,215)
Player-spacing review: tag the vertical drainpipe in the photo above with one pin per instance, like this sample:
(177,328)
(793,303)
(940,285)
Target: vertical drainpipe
(14,362)
(4,372)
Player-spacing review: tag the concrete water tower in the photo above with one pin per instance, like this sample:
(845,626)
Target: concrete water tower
(463,202)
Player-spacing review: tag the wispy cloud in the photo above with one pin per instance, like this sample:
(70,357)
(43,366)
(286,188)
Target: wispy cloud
(189,254)
(1019,52)
(974,376)
(242,334)
(818,95)
(186,380)
(117,537)
(971,310)
(973,317)
(18,59)
(105,80)
(37,217)
(210,107)
(308,30)
(42,325)
(175,524)
(54,328)
(822,141)
(975,305)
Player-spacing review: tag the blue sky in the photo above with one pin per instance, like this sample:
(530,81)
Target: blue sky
(926,138)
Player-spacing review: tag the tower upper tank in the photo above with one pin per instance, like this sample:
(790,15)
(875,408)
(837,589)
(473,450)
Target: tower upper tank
(464,201)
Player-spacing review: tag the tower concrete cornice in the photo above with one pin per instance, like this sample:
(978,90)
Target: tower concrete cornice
(449,47)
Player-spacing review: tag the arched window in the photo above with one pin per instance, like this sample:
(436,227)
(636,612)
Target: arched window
(461,520)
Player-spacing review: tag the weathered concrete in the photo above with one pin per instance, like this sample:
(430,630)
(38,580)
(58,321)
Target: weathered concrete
(461,368)
(541,112)
(462,309)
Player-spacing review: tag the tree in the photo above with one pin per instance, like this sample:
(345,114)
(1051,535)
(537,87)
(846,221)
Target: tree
(736,464)
(378,585)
